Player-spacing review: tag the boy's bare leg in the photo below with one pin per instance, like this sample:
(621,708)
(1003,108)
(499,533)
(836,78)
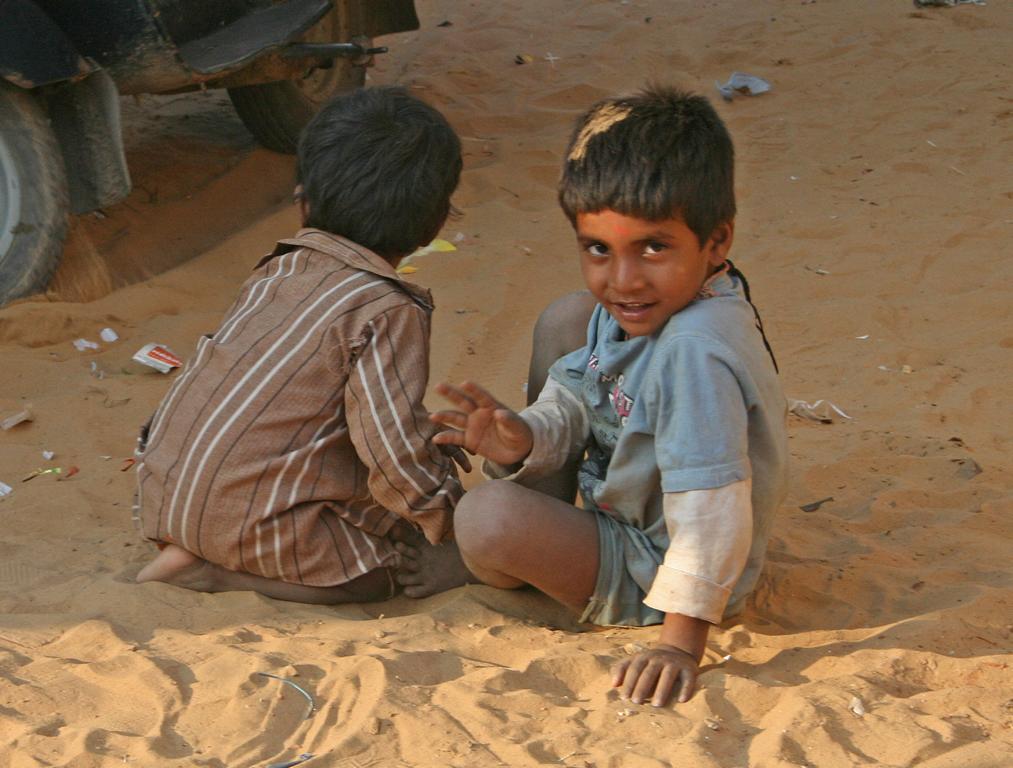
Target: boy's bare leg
(175,565)
(561,328)
(510,535)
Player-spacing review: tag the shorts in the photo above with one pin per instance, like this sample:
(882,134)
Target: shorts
(628,561)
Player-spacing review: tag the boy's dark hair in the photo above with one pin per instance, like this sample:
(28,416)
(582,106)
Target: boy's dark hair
(660,154)
(378,167)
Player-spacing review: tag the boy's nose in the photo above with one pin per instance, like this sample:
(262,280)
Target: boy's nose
(626,275)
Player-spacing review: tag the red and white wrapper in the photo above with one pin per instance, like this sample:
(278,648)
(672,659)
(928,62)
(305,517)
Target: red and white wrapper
(159,357)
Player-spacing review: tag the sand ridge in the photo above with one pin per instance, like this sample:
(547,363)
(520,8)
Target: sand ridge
(874,198)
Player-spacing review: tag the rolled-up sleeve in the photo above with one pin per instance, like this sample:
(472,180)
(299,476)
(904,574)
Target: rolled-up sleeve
(390,428)
(559,428)
(710,533)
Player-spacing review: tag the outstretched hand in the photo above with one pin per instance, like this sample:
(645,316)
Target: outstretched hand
(656,674)
(483,425)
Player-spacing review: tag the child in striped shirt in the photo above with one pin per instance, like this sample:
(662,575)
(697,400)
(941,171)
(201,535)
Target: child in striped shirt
(294,444)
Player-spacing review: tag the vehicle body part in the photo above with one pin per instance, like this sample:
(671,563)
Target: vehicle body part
(64,62)
(86,120)
(35,51)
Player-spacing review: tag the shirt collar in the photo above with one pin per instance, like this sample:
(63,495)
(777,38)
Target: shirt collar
(717,284)
(352,254)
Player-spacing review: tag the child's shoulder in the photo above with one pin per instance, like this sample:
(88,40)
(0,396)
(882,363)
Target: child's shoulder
(340,271)
(720,316)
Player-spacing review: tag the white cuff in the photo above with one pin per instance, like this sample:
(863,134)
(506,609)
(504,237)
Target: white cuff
(710,535)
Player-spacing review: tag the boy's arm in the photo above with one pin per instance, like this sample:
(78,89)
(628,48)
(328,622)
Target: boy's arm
(710,533)
(559,428)
(390,427)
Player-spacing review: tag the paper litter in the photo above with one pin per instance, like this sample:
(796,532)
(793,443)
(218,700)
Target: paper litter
(822,411)
(25,414)
(740,82)
(158,356)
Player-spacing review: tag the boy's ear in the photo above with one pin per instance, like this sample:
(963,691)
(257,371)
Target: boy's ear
(720,242)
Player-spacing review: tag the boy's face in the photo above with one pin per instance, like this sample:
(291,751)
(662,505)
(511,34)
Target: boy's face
(643,272)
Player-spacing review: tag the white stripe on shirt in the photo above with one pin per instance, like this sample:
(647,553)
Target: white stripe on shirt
(238,388)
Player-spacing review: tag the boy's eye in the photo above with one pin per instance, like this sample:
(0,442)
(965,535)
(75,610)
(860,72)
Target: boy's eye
(597,249)
(655,248)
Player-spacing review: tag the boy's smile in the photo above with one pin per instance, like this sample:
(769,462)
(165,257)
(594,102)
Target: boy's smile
(642,271)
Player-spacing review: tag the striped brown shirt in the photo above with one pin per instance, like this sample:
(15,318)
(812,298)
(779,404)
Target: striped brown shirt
(296,437)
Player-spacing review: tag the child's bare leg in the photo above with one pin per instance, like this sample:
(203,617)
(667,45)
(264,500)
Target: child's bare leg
(174,565)
(561,328)
(510,535)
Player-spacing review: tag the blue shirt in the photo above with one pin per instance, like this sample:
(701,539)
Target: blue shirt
(695,406)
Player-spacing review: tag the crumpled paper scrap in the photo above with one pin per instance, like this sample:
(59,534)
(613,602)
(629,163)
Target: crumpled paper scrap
(822,411)
(740,82)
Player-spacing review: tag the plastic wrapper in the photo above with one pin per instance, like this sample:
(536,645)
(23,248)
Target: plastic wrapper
(740,82)
(822,411)
(158,356)
(25,414)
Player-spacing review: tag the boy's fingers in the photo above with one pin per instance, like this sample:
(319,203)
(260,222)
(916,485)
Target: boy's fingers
(454,419)
(666,682)
(448,437)
(619,672)
(410,554)
(646,683)
(479,395)
(633,674)
(457,396)
(687,687)
(456,454)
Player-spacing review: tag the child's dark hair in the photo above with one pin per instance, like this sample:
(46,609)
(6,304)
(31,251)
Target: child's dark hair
(378,167)
(660,154)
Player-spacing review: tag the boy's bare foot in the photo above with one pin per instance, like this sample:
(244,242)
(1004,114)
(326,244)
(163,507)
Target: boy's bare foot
(174,565)
(426,568)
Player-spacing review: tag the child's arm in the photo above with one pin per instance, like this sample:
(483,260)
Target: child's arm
(671,666)
(389,425)
(482,425)
(544,436)
(710,534)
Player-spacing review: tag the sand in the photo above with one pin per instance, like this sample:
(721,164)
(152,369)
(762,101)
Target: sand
(875,220)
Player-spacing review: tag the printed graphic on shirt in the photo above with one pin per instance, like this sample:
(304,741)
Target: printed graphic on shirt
(621,402)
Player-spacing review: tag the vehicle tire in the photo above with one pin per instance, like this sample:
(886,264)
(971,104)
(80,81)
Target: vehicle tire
(275,113)
(33,196)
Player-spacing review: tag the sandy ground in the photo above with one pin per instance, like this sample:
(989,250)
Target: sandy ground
(875,196)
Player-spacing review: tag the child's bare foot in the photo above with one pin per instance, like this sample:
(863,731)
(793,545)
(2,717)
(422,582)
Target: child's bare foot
(426,568)
(174,565)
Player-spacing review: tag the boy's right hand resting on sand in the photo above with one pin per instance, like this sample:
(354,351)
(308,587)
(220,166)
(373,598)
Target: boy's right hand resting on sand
(482,425)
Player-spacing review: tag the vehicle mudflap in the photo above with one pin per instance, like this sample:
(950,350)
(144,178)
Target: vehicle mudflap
(252,34)
(86,120)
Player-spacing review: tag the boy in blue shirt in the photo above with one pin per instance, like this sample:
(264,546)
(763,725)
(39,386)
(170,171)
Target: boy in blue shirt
(670,418)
